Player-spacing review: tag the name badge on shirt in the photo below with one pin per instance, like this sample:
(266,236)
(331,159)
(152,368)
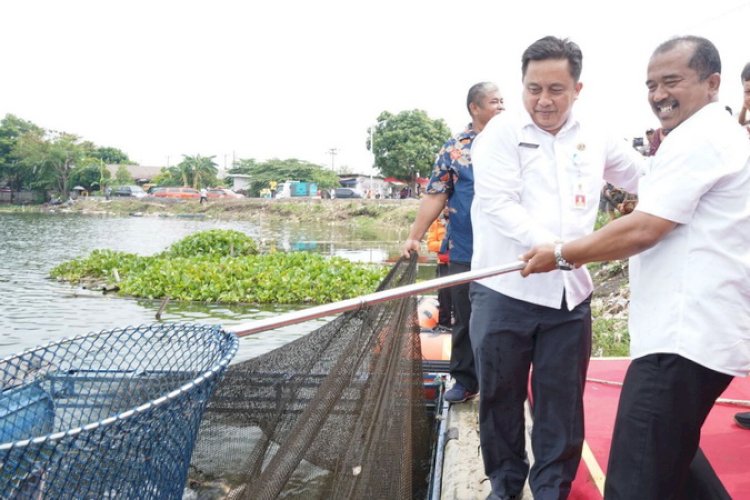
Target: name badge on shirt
(579,195)
(579,198)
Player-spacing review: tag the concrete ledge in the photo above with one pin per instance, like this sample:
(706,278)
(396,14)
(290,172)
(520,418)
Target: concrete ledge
(463,471)
(463,475)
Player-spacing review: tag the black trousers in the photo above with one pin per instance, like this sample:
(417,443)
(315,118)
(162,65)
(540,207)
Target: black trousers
(664,401)
(445,307)
(509,337)
(462,355)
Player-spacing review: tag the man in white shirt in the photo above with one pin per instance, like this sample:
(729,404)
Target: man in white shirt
(690,300)
(538,175)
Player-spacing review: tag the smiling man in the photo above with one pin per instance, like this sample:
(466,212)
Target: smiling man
(538,175)
(690,300)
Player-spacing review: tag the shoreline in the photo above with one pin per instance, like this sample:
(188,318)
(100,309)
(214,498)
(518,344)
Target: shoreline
(386,212)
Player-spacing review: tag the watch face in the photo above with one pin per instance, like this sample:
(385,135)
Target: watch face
(562,264)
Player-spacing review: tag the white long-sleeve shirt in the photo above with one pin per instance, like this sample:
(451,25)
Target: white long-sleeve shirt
(690,293)
(532,187)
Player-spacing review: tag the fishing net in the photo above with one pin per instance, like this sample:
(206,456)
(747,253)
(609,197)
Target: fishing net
(339,413)
(108,415)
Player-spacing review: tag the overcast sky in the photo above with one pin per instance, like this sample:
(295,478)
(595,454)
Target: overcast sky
(295,79)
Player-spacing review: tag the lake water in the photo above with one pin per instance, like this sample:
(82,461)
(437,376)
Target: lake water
(35,310)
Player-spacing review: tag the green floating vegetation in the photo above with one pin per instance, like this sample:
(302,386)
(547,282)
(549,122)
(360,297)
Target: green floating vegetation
(215,242)
(224,266)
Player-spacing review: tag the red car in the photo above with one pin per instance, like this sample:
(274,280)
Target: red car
(176,192)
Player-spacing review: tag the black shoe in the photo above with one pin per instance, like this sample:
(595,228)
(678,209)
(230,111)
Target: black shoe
(458,394)
(743,419)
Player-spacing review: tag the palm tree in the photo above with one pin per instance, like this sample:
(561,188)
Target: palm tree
(196,170)
(204,169)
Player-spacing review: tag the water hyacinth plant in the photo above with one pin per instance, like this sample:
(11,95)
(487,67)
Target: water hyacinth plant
(223,266)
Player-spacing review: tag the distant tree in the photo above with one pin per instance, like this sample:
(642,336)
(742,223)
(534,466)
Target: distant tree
(193,171)
(283,170)
(91,176)
(168,177)
(406,144)
(34,158)
(205,170)
(110,155)
(51,158)
(244,166)
(345,170)
(122,175)
(12,171)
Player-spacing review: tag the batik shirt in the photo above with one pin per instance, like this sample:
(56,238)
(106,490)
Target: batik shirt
(453,175)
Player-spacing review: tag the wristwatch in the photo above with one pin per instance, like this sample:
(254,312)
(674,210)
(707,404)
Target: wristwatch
(562,264)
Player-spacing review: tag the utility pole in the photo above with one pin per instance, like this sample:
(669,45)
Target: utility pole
(333,152)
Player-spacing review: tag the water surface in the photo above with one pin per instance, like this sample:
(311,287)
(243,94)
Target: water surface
(35,309)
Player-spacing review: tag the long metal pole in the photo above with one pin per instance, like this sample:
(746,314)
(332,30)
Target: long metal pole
(370,299)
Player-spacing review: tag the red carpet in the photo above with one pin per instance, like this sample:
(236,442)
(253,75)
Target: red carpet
(725,444)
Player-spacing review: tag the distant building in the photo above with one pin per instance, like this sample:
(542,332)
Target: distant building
(240,182)
(368,187)
(142,174)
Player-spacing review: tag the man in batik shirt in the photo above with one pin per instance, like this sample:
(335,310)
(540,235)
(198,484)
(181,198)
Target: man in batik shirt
(452,181)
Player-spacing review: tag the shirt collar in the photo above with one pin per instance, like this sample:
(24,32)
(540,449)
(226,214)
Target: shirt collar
(468,132)
(571,122)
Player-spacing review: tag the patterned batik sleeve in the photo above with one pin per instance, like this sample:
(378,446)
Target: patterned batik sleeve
(441,180)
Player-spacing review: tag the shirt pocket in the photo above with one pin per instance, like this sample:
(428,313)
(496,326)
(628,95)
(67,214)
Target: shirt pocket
(534,167)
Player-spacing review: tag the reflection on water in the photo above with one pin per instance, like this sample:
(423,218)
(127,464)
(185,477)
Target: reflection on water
(35,310)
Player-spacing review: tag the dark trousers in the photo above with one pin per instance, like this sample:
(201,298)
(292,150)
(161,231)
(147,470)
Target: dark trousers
(510,336)
(664,401)
(445,307)
(462,356)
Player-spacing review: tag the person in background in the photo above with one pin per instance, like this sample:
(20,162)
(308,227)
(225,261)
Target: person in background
(656,138)
(742,116)
(452,181)
(649,140)
(538,175)
(204,195)
(688,240)
(437,243)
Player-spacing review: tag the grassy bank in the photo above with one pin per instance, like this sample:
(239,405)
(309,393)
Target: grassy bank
(391,213)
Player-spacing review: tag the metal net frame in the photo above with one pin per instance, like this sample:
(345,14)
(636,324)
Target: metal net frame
(112,414)
(337,414)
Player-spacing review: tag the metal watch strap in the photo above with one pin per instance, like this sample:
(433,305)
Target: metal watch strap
(562,264)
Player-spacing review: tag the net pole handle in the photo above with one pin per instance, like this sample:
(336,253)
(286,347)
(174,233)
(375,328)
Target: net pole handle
(356,303)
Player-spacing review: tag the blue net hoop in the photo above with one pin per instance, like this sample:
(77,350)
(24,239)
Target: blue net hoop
(112,414)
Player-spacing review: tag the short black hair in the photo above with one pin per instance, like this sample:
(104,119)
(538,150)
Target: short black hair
(705,59)
(551,47)
(746,72)
(478,91)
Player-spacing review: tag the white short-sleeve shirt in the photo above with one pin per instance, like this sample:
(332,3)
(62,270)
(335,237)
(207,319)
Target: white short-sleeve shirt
(690,293)
(532,187)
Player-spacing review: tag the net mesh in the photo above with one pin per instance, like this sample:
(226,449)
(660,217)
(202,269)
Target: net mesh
(108,415)
(339,413)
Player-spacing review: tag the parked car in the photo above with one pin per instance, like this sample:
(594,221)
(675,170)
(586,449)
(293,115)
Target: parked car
(134,191)
(176,192)
(222,193)
(346,193)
